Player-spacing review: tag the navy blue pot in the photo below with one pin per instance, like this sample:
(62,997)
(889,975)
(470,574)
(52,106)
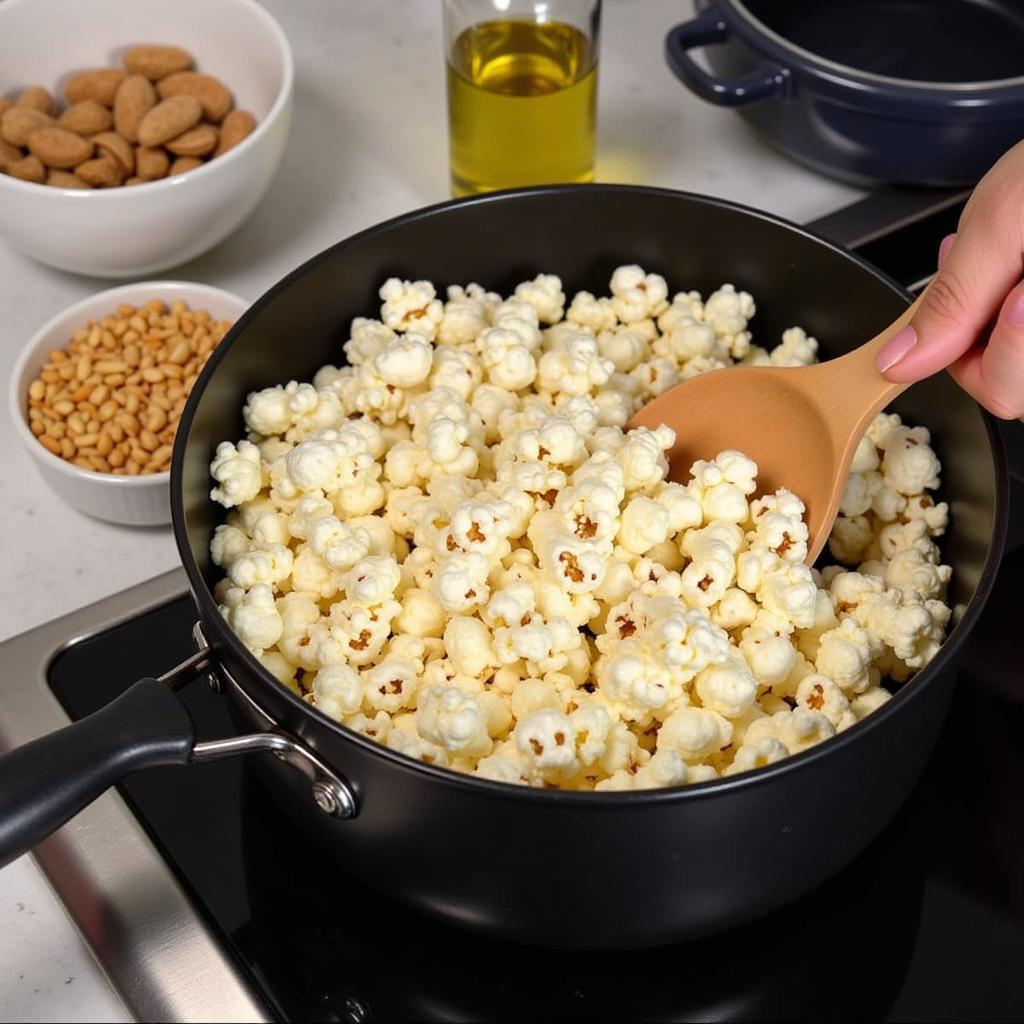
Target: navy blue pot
(867,91)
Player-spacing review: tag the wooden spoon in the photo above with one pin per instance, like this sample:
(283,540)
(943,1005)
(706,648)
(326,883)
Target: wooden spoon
(801,424)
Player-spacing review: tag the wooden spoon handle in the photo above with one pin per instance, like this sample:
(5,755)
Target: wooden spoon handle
(858,392)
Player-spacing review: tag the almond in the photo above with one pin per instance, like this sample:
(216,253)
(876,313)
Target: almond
(36,98)
(86,118)
(151,163)
(62,179)
(57,147)
(102,172)
(18,123)
(28,168)
(183,164)
(198,141)
(156,62)
(239,124)
(169,119)
(135,98)
(99,84)
(112,144)
(210,91)
(8,155)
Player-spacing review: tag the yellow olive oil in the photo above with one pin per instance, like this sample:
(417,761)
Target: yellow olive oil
(521,105)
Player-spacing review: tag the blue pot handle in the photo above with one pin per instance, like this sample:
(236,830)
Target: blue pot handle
(767,79)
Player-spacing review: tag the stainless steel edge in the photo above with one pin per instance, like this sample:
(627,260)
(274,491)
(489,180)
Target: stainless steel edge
(882,212)
(143,929)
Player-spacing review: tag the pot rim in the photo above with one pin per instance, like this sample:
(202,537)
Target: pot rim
(965,91)
(219,629)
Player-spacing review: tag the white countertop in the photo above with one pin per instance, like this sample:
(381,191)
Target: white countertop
(368,142)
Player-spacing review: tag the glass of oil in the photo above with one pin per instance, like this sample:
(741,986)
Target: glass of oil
(522,91)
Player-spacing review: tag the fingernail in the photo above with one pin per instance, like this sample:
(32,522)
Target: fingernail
(895,349)
(944,246)
(1015,310)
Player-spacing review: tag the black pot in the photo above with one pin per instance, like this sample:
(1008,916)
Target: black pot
(545,866)
(914,92)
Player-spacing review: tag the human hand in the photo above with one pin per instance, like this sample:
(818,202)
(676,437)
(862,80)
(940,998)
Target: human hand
(977,294)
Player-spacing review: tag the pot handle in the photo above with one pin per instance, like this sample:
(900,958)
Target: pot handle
(49,780)
(767,79)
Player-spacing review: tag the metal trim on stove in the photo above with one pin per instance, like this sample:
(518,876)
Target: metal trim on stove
(145,932)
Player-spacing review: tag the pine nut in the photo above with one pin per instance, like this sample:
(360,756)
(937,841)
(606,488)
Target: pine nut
(162,456)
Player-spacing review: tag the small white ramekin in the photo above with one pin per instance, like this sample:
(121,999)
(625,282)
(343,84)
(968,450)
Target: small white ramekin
(130,500)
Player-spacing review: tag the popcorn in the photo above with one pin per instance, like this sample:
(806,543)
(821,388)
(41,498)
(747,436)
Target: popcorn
(694,733)
(238,471)
(508,362)
(779,525)
(596,315)
(844,656)
(337,691)
(645,523)
(453,720)
(636,295)
(366,338)
(796,730)
(642,457)
(729,689)
(453,547)
(266,566)
(253,615)
(728,312)
(760,754)
(462,320)
(391,685)
(457,369)
(545,294)
(460,582)
(655,376)
(546,739)
(372,581)
(909,465)
(796,349)
(576,369)
(228,543)
(411,306)
(404,362)
(819,693)
(469,645)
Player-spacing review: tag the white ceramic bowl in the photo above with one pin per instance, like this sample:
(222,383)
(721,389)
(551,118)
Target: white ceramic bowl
(129,232)
(132,500)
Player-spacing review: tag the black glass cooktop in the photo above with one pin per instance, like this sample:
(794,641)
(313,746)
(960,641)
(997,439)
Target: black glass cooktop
(928,924)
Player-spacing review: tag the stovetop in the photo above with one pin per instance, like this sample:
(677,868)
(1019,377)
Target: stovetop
(203,902)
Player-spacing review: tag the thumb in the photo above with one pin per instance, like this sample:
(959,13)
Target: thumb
(978,269)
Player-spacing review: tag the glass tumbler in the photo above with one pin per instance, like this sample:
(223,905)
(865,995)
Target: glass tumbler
(522,91)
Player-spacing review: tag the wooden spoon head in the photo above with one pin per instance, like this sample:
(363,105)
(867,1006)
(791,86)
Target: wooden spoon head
(771,415)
